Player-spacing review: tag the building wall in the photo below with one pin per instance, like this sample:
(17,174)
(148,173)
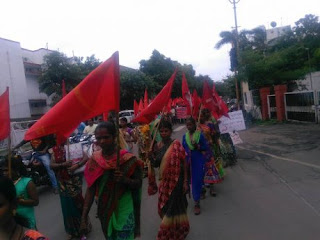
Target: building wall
(12,75)
(305,84)
(23,85)
(276,32)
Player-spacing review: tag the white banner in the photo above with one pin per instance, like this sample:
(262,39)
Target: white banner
(235,138)
(234,123)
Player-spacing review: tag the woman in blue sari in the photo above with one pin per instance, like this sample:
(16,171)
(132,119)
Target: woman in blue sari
(195,146)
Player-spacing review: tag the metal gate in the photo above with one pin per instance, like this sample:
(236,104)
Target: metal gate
(272,107)
(302,106)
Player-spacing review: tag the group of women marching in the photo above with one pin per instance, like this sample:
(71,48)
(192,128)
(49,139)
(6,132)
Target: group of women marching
(114,180)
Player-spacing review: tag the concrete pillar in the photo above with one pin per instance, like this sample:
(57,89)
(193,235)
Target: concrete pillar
(264,92)
(280,90)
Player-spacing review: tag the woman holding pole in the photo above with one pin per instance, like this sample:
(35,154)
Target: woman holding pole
(169,156)
(119,188)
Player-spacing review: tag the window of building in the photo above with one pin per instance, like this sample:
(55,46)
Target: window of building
(37,103)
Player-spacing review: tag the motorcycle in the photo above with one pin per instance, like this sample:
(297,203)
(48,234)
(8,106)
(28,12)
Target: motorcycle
(35,169)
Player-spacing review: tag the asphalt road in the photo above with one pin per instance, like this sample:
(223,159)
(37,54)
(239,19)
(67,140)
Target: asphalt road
(272,193)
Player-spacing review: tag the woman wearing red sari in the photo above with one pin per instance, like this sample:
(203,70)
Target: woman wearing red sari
(119,189)
(169,156)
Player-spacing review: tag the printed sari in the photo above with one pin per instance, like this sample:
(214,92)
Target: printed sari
(211,173)
(172,201)
(70,191)
(118,207)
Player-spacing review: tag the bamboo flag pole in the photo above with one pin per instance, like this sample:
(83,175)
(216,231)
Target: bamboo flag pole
(9,141)
(199,114)
(9,156)
(118,139)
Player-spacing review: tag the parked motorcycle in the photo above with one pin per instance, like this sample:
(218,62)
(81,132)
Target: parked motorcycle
(35,169)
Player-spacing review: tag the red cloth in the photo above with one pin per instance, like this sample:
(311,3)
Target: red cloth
(135,108)
(207,100)
(4,115)
(99,92)
(64,92)
(186,94)
(145,100)
(196,104)
(140,108)
(159,102)
(221,105)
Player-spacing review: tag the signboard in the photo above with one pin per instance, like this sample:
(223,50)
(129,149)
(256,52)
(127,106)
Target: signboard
(234,123)
(181,113)
(75,151)
(235,138)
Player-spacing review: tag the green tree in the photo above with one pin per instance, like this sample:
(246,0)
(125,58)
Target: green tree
(133,83)
(58,67)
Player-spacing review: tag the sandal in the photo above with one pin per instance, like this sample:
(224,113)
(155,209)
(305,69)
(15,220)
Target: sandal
(213,193)
(197,209)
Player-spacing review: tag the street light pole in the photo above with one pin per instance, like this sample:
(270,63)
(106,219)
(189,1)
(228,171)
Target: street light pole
(234,2)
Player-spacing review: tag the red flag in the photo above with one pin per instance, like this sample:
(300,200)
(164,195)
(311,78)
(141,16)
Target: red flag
(219,103)
(4,115)
(135,108)
(99,92)
(207,100)
(140,108)
(64,92)
(196,104)
(186,94)
(159,102)
(145,100)
(169,105)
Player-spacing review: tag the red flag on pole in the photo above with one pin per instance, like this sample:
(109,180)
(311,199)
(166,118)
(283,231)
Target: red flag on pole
(145,100)
(140,108)
(159,102)
(99,92)
(64,92)
(196,104)
(4,115)
(135,108)
(207,99)
(219,103)
(186,94)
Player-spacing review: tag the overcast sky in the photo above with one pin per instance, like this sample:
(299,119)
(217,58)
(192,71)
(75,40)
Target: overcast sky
(183,30)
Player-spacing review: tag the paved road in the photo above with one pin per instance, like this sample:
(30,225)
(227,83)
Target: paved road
(269,194)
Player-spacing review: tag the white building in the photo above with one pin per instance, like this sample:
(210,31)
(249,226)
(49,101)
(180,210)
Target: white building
(277,32)
(19,70)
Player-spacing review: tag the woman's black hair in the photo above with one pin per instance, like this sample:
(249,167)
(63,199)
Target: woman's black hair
(165,124)
(16,165)
(107,125)
(8,190)
(191,119)
(124,119)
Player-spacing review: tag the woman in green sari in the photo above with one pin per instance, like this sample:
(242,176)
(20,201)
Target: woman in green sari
(118,189)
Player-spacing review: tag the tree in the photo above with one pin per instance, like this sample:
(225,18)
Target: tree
(133,83)
(160,68)
(58,67)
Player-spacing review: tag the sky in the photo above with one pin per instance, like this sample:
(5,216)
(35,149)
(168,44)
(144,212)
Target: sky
(184,30)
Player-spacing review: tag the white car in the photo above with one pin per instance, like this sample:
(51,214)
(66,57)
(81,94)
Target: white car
(128,114)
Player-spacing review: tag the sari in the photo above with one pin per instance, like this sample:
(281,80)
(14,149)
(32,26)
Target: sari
(70,192)
(211,173)
(196,161)
(172,201)
(118,207)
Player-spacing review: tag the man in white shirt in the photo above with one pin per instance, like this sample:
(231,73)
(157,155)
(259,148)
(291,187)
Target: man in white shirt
(89,130)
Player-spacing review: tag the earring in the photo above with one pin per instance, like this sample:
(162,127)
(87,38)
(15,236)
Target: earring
(14,212)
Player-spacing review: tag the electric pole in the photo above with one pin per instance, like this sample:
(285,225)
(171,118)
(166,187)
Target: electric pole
(234,2)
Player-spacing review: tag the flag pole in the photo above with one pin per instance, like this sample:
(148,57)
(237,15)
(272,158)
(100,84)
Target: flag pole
(9,155)
(118,139)
(9,144)
(199,114)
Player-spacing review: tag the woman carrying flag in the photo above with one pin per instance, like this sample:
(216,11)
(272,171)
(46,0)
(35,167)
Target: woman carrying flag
(119,188)
(169,156)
